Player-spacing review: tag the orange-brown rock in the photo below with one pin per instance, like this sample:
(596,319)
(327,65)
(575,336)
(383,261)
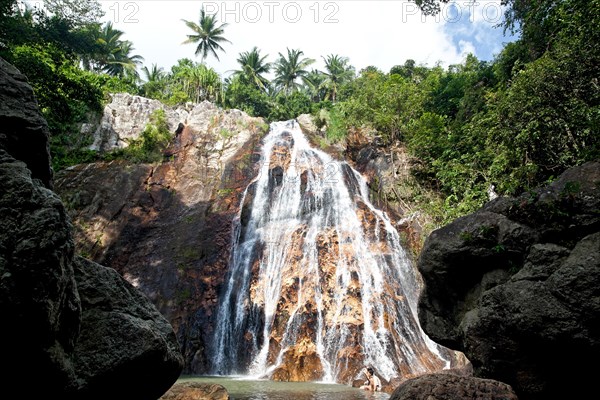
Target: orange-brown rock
(301,363)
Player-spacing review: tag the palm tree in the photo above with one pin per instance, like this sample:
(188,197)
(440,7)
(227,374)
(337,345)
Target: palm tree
(337,72)
(315,85)
(287,70)
(252,68)
(155,81)
(154,74)
(123,63)
(113,55)
(207,34)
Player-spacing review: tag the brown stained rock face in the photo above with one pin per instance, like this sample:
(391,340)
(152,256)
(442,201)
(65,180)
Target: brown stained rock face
(309,296)
(166,227)
(301,363)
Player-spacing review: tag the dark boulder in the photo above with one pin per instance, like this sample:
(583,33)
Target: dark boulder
(80,329)
(23,130)
(515,286)
(452,387)
(126,349)
(39,303)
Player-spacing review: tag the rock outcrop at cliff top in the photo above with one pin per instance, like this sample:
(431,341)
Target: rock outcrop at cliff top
(515,286)
(63,316)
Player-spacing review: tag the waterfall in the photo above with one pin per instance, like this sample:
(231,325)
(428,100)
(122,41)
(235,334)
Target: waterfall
(319,283)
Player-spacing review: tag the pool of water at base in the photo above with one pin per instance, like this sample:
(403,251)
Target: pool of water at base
(244,388)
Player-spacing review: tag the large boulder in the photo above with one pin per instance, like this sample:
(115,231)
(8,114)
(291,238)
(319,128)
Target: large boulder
(126,348)
(452,387)
(80,327)
(190,390)
(515,287)
(39,302)
(23,130)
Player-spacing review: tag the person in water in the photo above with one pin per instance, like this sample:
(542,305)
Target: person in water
(373,383)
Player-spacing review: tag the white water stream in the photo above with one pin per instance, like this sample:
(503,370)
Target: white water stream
(315,262)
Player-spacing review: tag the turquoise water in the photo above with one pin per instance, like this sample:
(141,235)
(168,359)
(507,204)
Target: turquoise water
(241,388)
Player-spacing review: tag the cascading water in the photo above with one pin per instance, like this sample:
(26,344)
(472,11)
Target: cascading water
(319,284)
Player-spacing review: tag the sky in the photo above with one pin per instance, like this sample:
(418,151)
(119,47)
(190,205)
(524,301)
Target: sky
(369,33)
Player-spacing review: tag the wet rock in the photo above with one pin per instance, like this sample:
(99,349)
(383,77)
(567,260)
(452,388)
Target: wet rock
(514,286)
(301,363)
(196,391)
(452,387)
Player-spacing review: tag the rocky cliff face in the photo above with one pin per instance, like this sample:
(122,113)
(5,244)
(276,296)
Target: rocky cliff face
(167,227)
(80,328)
(515,287)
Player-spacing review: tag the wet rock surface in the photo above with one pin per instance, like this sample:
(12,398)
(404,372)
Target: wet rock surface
(515,286)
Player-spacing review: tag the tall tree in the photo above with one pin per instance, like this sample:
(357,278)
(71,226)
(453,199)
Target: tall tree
(114,54)
(315,85)
(337,72)
(208,34)
(76,12)
(155,78)
(289,69)
(253,66)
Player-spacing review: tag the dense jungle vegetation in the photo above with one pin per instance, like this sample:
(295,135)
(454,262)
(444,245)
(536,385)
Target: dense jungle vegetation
(514,122)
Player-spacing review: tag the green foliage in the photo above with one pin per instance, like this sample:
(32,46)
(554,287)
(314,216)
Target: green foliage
(336,131)
(248,98)
(154,139)
(290,106)
(289,68)
(67,96)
